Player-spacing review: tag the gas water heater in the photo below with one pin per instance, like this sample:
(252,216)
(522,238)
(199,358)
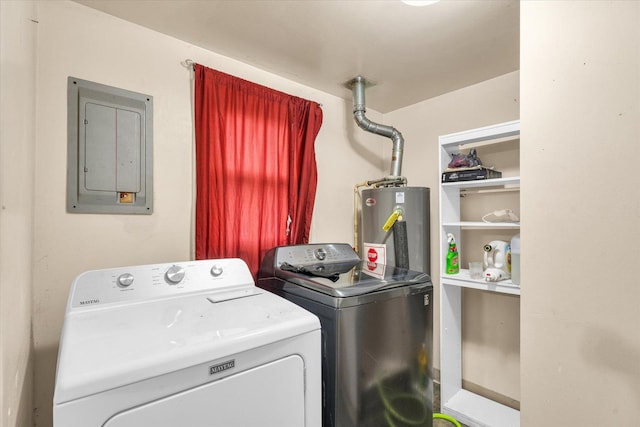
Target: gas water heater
(394,218)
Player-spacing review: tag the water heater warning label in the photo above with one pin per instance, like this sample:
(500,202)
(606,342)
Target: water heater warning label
(375,255)
(400,197)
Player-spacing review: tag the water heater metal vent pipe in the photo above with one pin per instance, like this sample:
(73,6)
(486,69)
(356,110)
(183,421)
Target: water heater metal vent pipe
(357,85)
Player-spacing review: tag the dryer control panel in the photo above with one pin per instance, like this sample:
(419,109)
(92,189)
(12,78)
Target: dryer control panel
(146,282)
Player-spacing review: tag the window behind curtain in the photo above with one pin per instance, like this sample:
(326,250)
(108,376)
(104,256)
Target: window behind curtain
(255,167)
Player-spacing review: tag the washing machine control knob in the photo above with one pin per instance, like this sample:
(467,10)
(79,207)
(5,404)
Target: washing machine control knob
(216,270)
(320,254)
(125,279)
(174,275)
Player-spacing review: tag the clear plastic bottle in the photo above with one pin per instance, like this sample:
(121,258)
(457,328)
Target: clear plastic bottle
(515,259)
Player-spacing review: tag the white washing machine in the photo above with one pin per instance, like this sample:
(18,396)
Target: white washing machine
(185,345)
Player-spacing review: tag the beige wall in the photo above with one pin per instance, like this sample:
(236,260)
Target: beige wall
(77,41)
(580,73)
(580,77)
(17,142)
(489,360)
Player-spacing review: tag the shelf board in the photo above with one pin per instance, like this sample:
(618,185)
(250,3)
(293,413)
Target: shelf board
(482,224)
(474,410)
(463,280)
(488,133)
(481,183)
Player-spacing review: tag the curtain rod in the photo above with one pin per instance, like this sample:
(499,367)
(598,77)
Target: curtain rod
(190,63)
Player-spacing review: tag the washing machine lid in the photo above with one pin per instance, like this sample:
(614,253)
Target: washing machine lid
(349,279)
(107,348)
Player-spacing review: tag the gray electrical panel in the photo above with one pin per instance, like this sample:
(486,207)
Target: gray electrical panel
(110,157)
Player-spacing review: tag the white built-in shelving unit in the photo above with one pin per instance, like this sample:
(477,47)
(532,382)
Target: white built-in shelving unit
(469,408)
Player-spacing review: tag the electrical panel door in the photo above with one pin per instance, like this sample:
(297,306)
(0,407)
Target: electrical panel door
(109,149)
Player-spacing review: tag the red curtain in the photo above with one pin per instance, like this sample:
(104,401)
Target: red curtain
(255,167)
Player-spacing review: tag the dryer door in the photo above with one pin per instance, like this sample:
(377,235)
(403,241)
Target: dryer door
(268,395)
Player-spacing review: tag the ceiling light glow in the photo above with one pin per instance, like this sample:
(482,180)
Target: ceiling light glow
(420,2)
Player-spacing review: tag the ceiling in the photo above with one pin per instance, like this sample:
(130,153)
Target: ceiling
(407,53)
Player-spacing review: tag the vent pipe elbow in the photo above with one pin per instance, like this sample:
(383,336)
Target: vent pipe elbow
(357,86)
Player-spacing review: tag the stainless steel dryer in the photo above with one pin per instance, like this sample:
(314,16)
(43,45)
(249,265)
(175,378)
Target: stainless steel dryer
(377,332)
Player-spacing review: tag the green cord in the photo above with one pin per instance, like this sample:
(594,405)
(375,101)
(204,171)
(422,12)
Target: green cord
(390,409)
(448,418)
(391,412)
